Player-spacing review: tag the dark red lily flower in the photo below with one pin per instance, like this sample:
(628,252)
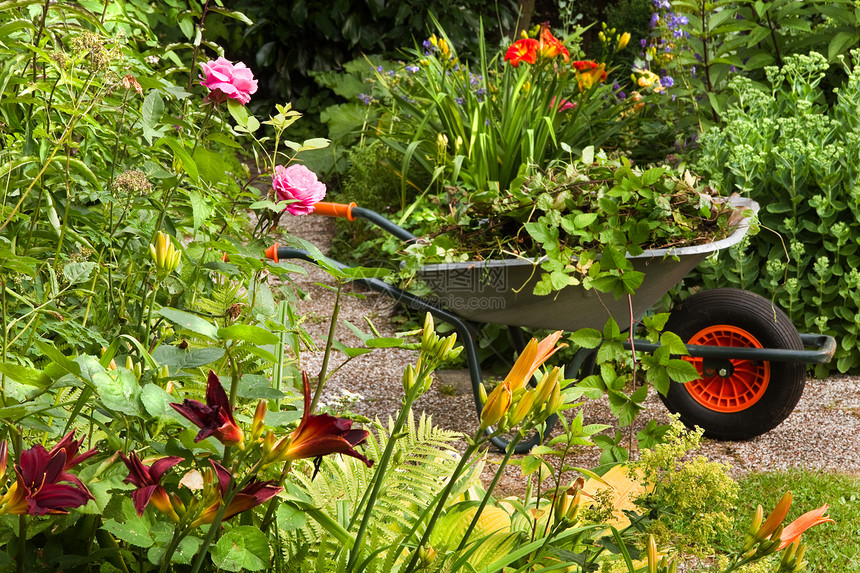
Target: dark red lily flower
(215,417)
(147,479)
(319,435)
(36,491)
(70,446)
(4,449)
(252,495)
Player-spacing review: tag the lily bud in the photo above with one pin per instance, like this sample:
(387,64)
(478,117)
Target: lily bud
(788,561)
(652,555)
(259,422)
(267,444)
(775,518)
(427,556)
(545,386)
(482,393)
(560,506)
(409,377)
(4,451)
(428,334)
(573,508)
(497,405)
(623,40)
(164,255)
(522,408)
(750,539)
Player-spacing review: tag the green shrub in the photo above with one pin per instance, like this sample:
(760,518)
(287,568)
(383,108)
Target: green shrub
(782,146)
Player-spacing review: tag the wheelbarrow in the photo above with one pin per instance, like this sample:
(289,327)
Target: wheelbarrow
(751,359)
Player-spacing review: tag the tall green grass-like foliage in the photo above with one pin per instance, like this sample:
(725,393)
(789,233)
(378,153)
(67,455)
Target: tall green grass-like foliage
(782,146)
(478,125)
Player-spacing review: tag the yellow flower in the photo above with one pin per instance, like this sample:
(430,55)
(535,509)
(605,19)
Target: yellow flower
(623,40)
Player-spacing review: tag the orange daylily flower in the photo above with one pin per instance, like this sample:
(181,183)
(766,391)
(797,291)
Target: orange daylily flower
(533,356)
(550,46)
(795,529)
(523,50)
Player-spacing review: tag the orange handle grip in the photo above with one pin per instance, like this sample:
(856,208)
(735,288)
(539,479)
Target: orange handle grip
(272,252)
(335,210)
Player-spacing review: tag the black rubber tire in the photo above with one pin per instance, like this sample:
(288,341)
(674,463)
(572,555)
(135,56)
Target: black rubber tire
(773,329)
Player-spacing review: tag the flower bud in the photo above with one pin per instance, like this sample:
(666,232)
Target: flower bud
(775,518)
(560,506)
(428,334)
(164,255)
(497,405)
(652,555)
(409,377)
(259,422)
(427,556)
(623,40)
(522,408)
(573,508)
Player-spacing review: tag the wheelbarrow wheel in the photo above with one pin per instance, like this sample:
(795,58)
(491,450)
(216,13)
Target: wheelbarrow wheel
(735,399)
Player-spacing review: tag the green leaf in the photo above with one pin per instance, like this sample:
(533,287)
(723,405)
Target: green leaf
(235,14)
(78,272)
(190,321)
(134,531)
(587,337)
(25,375)
(152,109)
(238,111)
(156,401)
(211,166)
(243,548)
(290,518)
(682,371)
(248,333)
(673,343)
(118,390)
(182,154)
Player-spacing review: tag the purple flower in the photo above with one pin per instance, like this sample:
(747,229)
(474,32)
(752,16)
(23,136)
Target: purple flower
(667,81)
(366,98)
(655,18)
(459,100)
(412,69)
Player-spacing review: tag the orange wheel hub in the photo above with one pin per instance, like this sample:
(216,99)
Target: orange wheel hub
(737,391)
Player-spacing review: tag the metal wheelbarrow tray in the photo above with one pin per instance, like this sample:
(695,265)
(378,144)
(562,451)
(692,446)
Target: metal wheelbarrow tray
(751,357)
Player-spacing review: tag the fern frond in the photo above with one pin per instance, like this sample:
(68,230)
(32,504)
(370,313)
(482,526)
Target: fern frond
(422,461)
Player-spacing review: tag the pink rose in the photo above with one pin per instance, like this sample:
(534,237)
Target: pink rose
(299,183)
(228,80)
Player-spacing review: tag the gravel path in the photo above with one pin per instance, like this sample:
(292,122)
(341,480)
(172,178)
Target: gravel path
(823,432)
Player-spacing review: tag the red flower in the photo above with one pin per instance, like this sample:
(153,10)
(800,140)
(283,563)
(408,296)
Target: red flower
(523,50)
(550,46)
(319,435)
(36,491)
(147,479)
(251,495)
(215,417)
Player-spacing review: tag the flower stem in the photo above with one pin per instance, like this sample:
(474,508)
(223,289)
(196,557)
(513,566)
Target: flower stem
(328,345)
(440,505)
(509,451)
